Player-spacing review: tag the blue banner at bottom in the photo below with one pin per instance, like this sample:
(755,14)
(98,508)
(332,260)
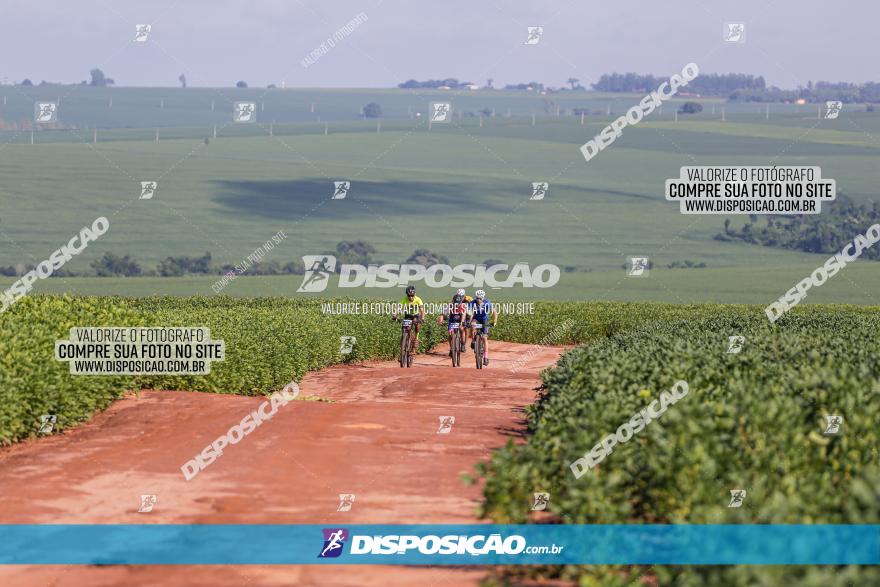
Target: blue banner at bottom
(427,544)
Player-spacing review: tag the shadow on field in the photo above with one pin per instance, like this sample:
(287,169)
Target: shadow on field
(293,199)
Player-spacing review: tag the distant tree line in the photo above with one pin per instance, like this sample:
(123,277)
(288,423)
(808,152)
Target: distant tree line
(825,233)
(113,265)
(711,84)
(97,79)
(744,87)
(819,92)
(531,86)
(347,252)
(454,84)
(449,82)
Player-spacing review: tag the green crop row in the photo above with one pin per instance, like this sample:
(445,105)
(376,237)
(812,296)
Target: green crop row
(752,420)
(269,342)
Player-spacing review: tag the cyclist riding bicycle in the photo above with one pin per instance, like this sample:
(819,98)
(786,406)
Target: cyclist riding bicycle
(454,314)
(478,314)
(412,308)
(467,323)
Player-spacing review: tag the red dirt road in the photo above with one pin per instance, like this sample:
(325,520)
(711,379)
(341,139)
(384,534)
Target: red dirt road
(376,438)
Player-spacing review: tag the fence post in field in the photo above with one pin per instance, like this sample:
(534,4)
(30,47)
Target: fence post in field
(157,135)
(722,114)
(326,128)
(767,113)
(32,136)
(676,115)
(215,131)
(533,118)
(95,135)
(271,129)
(481,121)
(582,116)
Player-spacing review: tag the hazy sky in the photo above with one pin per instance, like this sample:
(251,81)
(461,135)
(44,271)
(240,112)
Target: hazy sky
(217,42)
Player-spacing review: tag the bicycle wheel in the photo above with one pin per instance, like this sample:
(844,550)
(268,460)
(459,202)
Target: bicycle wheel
(478,350)
(412,350)
(404,347)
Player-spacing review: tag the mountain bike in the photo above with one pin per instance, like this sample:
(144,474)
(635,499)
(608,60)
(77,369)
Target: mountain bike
(479,343)
(407,342)
(457,343)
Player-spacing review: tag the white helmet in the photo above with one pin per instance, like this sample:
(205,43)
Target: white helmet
(479,294)
(460,292)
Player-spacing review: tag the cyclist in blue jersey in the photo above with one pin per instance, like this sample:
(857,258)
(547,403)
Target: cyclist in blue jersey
(479,310)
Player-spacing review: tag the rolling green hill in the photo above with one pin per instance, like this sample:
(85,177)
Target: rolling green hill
(461,189)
